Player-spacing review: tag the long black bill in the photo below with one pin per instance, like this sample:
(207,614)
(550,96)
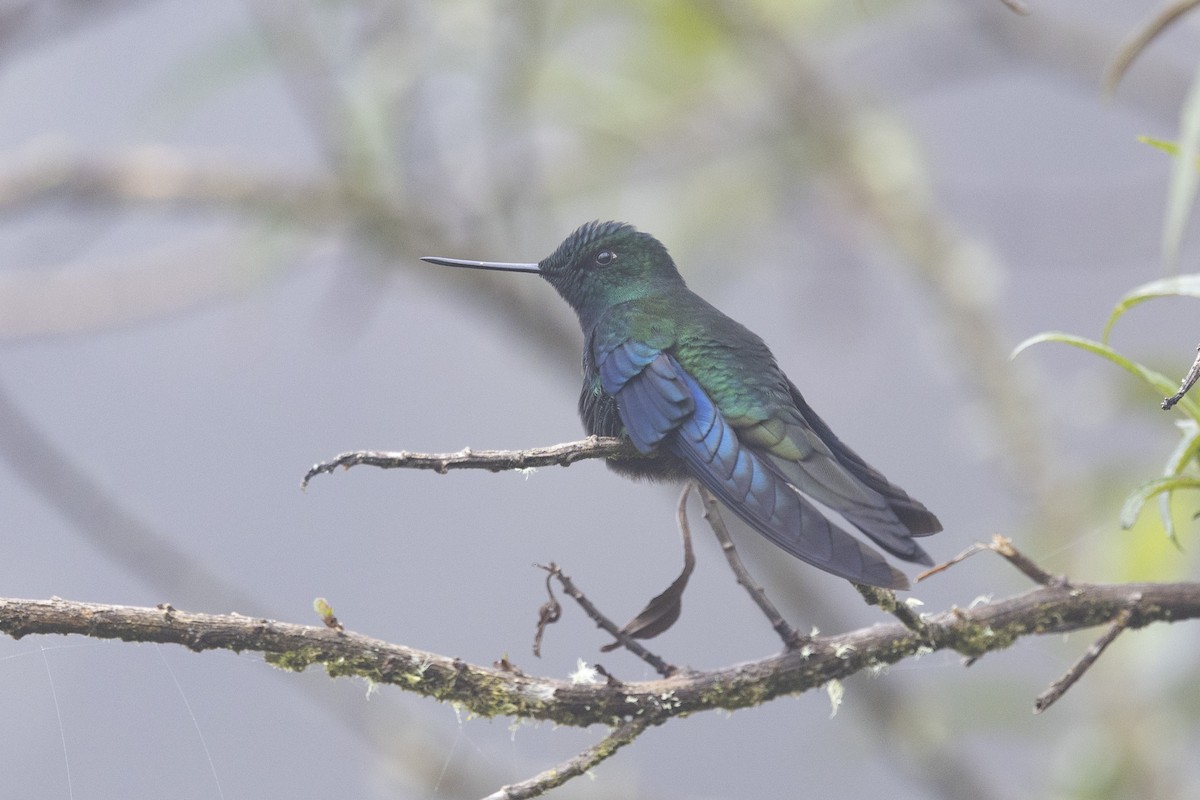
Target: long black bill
(496,265)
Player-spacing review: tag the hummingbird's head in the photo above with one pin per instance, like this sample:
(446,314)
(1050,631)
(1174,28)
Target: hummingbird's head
(605,263)
(596,267)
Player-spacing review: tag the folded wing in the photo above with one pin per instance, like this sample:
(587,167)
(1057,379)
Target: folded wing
(765,470)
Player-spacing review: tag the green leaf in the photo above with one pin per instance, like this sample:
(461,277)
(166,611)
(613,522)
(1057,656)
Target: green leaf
(1175,286)
(1183,454)
(1133,504)
(1185,451)
(1160,383)
(1170,148)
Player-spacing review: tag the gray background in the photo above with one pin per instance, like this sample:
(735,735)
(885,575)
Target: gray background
(170,364)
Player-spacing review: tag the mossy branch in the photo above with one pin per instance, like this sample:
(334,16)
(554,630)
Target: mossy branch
(506,691)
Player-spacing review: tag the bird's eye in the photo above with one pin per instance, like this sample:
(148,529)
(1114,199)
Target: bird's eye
(605,257)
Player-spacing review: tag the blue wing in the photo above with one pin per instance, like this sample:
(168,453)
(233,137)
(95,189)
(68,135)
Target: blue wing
(660,403)
(652,398)
(742,480)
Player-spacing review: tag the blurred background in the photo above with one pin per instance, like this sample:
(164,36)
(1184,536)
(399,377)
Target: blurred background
(209,280)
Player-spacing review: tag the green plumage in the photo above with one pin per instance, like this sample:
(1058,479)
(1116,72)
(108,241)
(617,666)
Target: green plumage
(703,395)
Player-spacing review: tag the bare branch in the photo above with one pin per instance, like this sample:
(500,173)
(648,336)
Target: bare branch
(493,460)
(556,776)
(1060,686)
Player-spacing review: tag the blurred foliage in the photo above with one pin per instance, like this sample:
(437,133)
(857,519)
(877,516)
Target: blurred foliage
(1181,193)
(1182,469)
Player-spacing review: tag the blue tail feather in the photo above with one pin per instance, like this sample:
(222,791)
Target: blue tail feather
(751,489)
(660,404)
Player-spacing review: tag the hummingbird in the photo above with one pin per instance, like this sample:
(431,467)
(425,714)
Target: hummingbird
(701,397)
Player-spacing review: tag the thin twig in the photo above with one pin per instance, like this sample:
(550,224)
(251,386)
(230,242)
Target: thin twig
(712,512)
(977,547)
(660,666)
(575,766)
(1017,7)
(494,460)
(1060,686)
(1186,384)
(1141,38)
(1003,546)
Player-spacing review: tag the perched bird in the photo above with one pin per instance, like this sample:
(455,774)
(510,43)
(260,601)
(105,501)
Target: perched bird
(702,397)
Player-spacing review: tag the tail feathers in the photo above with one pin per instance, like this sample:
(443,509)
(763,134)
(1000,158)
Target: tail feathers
(893,536)
(918,520)
(866,509)
(752,490)
(897,541)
